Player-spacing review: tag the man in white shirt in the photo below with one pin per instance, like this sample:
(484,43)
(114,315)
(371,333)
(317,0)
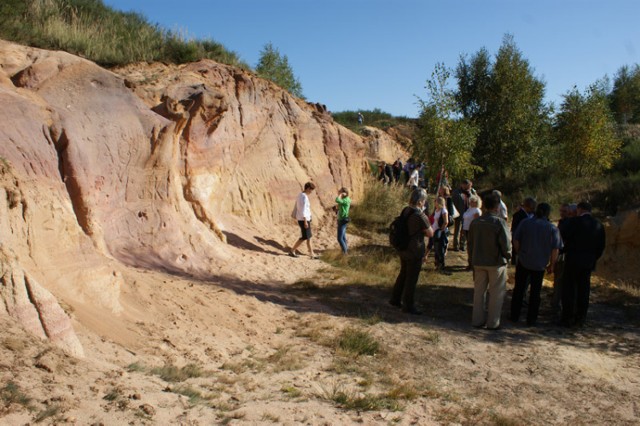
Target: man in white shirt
(502,209)
(414,178)
(302,213)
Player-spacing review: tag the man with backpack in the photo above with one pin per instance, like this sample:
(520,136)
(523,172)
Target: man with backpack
(407,236)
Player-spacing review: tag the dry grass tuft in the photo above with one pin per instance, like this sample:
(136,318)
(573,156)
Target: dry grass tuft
(357,342)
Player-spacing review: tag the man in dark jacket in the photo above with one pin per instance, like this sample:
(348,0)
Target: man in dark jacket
(584,241)
(460,197)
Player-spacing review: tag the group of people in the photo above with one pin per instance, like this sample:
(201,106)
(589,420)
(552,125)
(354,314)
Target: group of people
(410,174)
(534,245)
(569,250)
(457,209)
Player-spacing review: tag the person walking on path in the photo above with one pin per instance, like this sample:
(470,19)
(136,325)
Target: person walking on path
(344,203)
(537,242)
(489,247)
(411,259)
(584,241)
(302,213)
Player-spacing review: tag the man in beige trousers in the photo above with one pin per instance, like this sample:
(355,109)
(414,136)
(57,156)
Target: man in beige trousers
(489,245)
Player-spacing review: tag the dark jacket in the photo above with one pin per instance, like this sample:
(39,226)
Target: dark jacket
(458,196)
(584,240)
(417,222)
(489,241)
(458,199)
(518,217)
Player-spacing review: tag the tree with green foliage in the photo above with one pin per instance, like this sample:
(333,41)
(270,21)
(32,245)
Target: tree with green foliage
(473,84)
(444,139)
(275,67)
(506,101)
(585,132)
(625,97)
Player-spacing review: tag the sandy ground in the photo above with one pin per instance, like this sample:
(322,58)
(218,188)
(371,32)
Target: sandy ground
(259,343)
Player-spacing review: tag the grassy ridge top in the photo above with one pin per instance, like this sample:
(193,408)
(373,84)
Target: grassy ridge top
(90,29)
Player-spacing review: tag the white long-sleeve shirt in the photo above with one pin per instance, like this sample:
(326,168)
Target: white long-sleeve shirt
(502,211)
(303,207)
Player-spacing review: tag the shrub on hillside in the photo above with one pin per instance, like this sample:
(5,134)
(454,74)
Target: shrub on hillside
(374,118)
(379,205)
(99,33)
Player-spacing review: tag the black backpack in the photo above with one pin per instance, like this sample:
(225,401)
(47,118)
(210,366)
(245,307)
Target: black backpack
(450,208)
(399,232)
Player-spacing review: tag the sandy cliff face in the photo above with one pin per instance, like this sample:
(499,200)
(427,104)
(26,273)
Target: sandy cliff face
(153,166)
(150,166)
(620,258)
(245,145)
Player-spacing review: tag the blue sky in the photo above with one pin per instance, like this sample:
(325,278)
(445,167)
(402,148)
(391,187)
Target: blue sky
(366,54)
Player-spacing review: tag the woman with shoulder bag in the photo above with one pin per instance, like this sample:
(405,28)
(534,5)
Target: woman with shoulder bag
(411,259)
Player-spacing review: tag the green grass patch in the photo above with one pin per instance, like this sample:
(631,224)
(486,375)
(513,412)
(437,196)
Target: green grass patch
(100,33)
(194,395)
(12,394)
(113,395)
(377,208)
(171,373)
(284,359)
(291,391)
(351,400)
(357,342)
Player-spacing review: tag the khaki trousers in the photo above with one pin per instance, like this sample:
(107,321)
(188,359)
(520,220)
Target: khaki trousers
(489,282)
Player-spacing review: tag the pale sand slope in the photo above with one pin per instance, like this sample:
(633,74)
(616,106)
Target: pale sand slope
(262,334)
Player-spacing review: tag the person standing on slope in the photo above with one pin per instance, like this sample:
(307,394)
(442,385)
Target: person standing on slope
(344,203)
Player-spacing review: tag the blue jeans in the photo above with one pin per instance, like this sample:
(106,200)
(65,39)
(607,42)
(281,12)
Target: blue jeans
(342,235)
(440,243)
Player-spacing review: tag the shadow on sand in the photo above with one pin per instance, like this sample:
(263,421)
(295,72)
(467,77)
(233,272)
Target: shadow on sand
(614,315)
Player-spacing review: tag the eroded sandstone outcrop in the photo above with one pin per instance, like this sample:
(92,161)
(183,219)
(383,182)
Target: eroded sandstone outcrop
(150,166)
(382,146)
(35,308)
